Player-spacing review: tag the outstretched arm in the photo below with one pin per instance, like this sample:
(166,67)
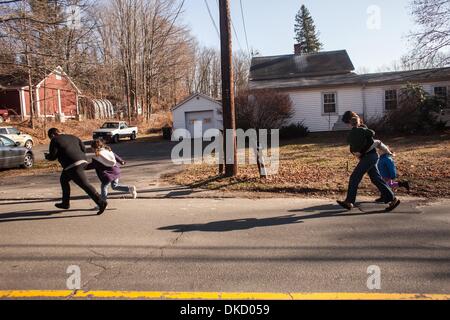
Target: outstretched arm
(53,152)
(119,159)
(82,146)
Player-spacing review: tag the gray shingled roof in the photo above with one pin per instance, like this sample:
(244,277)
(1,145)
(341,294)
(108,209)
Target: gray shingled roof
(290,66)
(401,77)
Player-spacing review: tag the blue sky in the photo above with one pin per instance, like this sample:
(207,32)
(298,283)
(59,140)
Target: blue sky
(342,25)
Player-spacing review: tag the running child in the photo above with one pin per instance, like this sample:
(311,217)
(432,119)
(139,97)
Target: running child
(388,171)
(106,164)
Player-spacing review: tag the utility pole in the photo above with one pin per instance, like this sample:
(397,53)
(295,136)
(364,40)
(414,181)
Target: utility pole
(229,119)
(30,88)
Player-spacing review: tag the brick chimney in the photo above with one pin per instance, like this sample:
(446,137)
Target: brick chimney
(298,49)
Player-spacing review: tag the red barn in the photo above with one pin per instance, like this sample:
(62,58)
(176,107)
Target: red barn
(56,95)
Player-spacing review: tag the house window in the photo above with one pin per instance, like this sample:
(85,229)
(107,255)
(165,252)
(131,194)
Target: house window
(442,94)
(390,100)
(329,103)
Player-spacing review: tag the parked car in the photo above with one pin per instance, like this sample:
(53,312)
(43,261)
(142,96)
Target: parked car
(4,115)
(12,155)
(15,135)
(114,131)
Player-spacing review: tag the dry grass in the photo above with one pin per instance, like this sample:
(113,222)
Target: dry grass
(320,165)
(39,168)
(83,129)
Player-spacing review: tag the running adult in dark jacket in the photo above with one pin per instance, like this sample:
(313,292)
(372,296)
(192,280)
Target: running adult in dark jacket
(360,139)
(71,154)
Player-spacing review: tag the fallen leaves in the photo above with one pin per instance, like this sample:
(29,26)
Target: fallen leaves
(320,165)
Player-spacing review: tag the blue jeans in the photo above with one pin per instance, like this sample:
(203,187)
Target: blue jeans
(368,164)
(115,186)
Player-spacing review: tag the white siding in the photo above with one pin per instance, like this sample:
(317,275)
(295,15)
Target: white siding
(375,101)
(197,104)
(375,97)
(429,87)
(309,107)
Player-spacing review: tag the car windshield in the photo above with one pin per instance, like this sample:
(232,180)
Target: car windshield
(110,125)
(13,131)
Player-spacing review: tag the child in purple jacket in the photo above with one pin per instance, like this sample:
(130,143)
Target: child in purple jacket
(106,164)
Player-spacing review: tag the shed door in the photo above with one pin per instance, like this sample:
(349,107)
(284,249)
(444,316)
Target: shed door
(199,122)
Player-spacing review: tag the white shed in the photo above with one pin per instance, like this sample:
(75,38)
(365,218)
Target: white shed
(197,114)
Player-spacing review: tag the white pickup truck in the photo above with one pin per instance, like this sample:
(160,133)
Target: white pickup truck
(115,130)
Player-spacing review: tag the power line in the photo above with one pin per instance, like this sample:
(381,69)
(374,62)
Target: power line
(212,18)
(245,27)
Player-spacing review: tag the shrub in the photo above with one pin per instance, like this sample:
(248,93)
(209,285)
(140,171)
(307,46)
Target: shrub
(263,109)
(294,131)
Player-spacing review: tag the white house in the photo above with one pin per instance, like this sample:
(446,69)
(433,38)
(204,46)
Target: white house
(323,86)
(197,114)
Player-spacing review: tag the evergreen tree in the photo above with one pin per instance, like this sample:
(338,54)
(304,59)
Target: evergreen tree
(305,32)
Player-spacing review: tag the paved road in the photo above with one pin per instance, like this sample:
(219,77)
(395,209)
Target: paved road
(167,241)
(231,245)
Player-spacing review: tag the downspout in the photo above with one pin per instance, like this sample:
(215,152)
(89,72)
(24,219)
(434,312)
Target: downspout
(364,102)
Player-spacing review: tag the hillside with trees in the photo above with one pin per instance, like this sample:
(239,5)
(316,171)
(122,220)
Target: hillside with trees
(136,53)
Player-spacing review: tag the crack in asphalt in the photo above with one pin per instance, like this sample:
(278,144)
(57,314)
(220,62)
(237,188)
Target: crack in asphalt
(104,268)
(173,243)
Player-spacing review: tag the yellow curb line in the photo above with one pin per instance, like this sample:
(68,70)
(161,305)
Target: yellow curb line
(24,294)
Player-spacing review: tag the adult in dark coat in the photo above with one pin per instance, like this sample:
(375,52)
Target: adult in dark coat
(71,154)
(361,143)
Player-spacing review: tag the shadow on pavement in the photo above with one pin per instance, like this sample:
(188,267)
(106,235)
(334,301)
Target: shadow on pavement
(233,225)
(246,224)
(173,192)
(330,210)
(30,215)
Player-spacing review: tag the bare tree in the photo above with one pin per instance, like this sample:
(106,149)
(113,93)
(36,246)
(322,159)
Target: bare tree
(432,40)
(41,38)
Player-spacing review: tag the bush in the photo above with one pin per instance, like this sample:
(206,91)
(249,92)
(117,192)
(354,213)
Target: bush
(263,109)
(294,131)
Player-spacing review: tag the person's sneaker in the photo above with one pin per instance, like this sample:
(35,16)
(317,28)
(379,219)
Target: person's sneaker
(102,208)
(380,200)
(393,205)
(133,192)
(345,205)
(62,206)
(405,184)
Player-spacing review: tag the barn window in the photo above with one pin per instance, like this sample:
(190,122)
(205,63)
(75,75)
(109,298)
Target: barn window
(390,99)
(329,103)
(441,93)
(58,76)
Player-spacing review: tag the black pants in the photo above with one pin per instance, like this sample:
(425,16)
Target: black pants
(78,176)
